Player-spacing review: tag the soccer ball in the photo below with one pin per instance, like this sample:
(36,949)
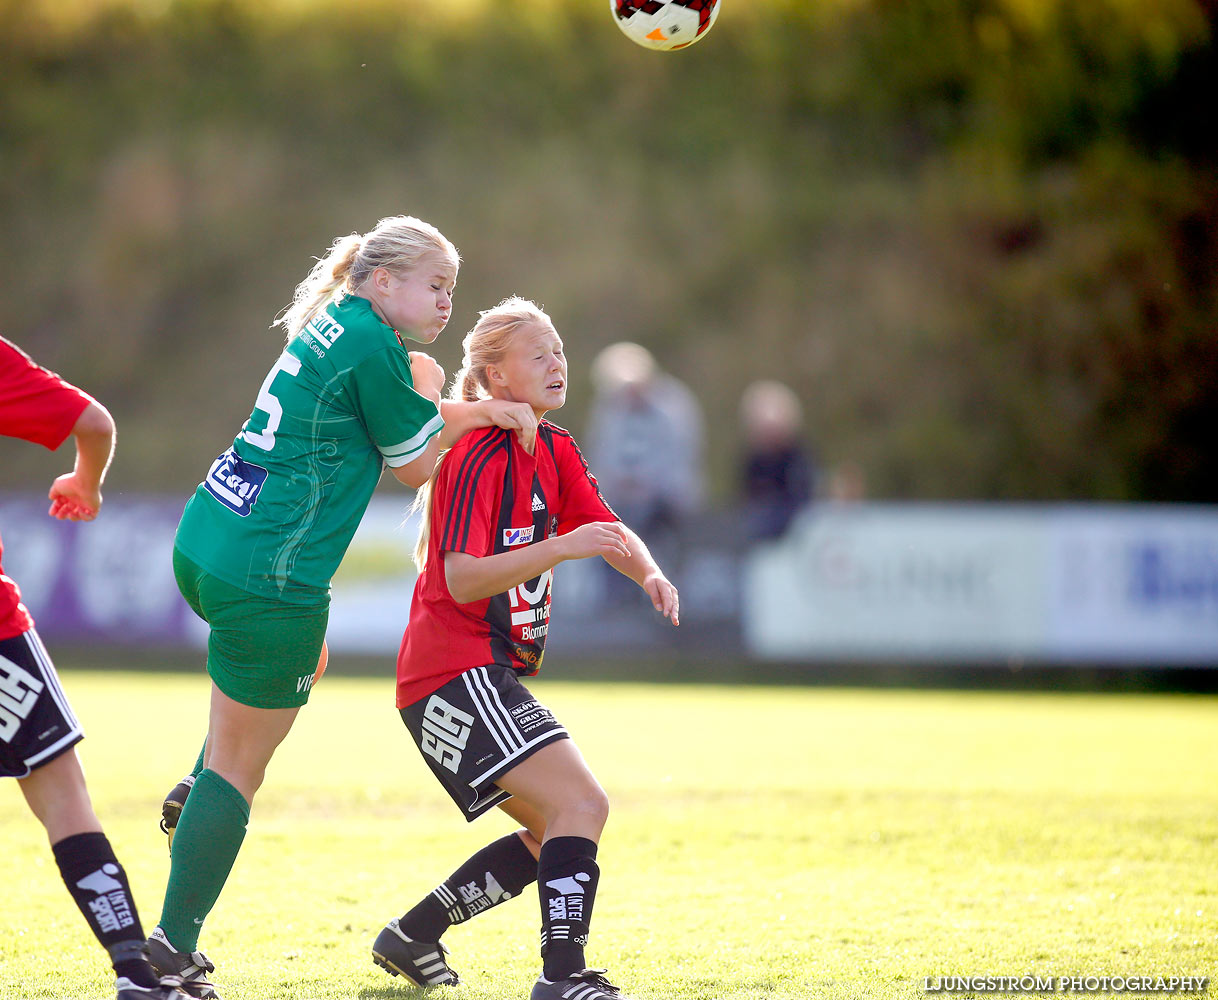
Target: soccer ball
(664,24)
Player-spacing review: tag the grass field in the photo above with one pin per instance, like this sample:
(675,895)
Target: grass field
(764,842)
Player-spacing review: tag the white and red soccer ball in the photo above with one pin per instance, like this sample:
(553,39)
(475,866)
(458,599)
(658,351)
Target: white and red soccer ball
(664,24)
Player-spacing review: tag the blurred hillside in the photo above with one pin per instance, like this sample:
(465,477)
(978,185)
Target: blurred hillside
(978,237)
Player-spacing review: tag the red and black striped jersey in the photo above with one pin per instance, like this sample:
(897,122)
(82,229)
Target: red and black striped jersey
(489,496)
(38,406)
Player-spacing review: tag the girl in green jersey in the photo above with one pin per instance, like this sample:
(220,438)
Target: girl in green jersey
(266,529)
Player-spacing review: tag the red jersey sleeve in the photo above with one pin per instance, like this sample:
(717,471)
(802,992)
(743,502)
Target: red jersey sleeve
(580,500)
(465,514)
(36,405)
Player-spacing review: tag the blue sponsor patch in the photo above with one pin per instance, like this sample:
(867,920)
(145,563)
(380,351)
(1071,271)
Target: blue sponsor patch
(235,482)
(517,536)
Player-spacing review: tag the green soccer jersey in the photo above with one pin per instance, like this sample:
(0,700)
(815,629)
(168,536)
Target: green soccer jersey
(277,510)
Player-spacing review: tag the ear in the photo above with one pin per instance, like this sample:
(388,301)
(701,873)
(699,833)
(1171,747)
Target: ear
(495,376)
(380,278)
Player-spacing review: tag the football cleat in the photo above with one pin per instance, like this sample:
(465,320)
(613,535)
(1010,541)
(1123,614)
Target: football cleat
(190,967)
(171,808)
(587,984)
(168,989)
(422,963)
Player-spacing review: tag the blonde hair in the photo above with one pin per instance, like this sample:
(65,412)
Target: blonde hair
(483,346)
(398,243)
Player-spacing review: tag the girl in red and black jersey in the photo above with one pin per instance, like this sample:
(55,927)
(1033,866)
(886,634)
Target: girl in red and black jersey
(38,730)
(497,519)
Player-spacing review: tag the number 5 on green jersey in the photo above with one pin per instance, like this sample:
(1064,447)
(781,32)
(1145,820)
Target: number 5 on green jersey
(269,404)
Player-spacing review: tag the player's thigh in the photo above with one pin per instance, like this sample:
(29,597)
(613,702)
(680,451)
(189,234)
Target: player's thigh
(242,739)
(556,781)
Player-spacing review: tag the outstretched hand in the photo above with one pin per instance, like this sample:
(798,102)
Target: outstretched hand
(72,500)
(663,597)
(518,417)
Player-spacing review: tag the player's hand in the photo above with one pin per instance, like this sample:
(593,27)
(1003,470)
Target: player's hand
(518,417)
(663,596)
(427,374)
(600,538)
(72,500)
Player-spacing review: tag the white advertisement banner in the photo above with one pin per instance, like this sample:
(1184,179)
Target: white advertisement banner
(1133,585)
(960,582)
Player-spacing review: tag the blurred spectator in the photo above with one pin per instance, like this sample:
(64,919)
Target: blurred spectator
(644,440)
(779,476)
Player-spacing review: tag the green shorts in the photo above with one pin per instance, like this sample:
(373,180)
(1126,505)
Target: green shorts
(260,652)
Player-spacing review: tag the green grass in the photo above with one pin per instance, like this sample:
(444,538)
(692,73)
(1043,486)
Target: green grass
(764,842)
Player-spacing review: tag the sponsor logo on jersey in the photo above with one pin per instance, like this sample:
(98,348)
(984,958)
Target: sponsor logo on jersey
(530,612)
(235,482)
(538,503)
(527,656)
(517,536)
(324,329)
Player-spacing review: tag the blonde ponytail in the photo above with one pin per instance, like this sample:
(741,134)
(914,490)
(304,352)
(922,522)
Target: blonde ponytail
(398,243)
(321,284)
(484,345)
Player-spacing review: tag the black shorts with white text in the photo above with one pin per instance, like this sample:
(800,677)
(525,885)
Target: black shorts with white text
(475,729)
(36,721)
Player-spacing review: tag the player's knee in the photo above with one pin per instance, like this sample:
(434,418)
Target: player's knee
(591,804)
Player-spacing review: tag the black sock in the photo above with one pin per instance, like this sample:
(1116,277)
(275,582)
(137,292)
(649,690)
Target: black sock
(566,880)
(99,885)
(499,871)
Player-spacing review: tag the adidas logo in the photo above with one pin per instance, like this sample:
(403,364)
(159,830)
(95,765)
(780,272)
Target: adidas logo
(538,503)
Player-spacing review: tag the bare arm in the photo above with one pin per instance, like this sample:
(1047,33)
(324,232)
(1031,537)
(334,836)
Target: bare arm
(461,417)
(76,496)
(415,473)
(473,578)
(641,567)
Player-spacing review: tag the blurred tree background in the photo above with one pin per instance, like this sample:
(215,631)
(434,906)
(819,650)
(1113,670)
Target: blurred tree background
(978,237)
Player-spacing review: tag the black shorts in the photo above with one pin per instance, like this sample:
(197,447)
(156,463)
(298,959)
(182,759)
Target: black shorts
(476,728)
(36,721)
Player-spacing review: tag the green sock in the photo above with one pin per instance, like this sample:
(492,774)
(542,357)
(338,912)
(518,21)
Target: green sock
(208,837)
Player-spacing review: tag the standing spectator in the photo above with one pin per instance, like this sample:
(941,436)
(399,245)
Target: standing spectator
(779,476)
(645,440)
(38,732)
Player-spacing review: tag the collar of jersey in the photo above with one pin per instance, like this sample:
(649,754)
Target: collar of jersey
(349,299)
